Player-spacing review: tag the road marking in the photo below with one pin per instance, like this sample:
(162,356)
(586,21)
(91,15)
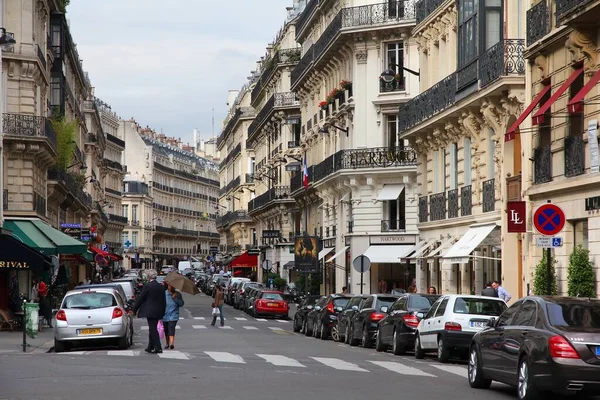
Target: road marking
(240,319)
(401,368)
(145,327)
(261,319)
(177,327)
(199,326)
(250,328)
(282,320)
(274,328)
(225,327)
(129,353)
(453,369)
(221,356)
(181,318)
(74,353)
(280,361)
(342,365)
(199,318)
(173,355)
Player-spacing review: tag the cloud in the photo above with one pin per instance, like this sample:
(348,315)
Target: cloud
(168,64)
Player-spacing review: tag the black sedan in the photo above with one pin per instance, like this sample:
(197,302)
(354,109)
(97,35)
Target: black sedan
(364,323)
(397,328)
(322,321)
(303,309)
(354,305)
(540,345)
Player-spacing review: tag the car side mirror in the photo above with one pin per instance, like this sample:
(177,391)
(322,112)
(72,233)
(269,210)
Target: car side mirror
(384,309)
(354,308)
(491,323)
(421,315)
(309,307)
(339,309)
(317,308)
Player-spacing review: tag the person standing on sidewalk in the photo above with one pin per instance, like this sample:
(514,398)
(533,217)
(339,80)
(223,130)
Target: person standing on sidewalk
(151,305)
(218,304)
(174,301)
(489,291)
(502,293)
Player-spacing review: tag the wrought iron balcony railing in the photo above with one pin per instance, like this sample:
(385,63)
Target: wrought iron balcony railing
(542,160)
(278,100)
(229,127)
(424,8)
(538,22)
(113,192)
(574,155)
(423,205)
(502,59)
(113,164)
(273,194)
(305,16)
(281,57)
(41,57)
(164,229)
(437,205)
(489,195)
(466,201)
(394,86)
(453,203)
(393,225)
(566,7)
(231,185)
(28,126)
(233,217)
(231,155)
(117,218)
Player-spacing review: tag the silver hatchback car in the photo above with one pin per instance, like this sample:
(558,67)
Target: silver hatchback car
(91,315)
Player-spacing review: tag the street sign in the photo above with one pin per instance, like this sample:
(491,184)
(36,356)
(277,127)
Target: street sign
(105,247)
(254,252)
(548,242)
(266,265)
(361,264)
(549,219)
(100,260)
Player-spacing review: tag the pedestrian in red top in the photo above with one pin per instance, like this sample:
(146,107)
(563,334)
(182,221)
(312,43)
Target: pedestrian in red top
(45,307)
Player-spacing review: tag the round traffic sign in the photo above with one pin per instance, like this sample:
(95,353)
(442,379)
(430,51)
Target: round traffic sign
(361,264)
(549,219)
(266,265)
(100,260)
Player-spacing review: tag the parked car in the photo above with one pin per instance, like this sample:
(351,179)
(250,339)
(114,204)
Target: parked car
(397,328)
(129,287)
(250,296)
(230,289)
(540,345)
(451,323)
(240,299)
(354,305)
(304,308)
(117,287)
(323,320)
(311,316)
(271,303)
(90,315)
(364,323)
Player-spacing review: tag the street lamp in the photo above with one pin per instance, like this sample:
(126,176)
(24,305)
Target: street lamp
(6,42)
(389,74)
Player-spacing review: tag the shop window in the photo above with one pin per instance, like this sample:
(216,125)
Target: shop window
(580,231)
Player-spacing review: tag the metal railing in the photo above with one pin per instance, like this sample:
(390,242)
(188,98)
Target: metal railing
(281,57)
(466,201)
(574,155)
(453,203)
(113,191)
(437,204)
(424,8)
(502,59)
(28,126)
(41,56)
(542,162)
(538,22)
(423,207)
(230,124)
(231,185)
(393,86)
(304,17)
(393,225)
(233,217)
(273,194)
(117,218)
(231,155)
(287,99)
(565,7)
(489,195)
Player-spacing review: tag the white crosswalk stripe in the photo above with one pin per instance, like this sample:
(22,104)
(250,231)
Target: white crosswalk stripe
(144,327)
(173,355)
(274,328)
(401,368)
(250,328)
(260,319)
(282,320)
(241,319)
(453,369)
(199,318)
(129,353)
(199,326)
(280,361)
(221,356)
(226,327)
(177,327)
(341,365)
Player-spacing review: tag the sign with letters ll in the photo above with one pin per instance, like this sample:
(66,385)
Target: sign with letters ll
(516,211)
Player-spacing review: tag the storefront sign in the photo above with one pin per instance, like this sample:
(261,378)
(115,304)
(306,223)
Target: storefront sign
(593,145)
(396,239)
(75,226)
(271,234)
(14,264)
(592,203)
(73,231)
(516,211)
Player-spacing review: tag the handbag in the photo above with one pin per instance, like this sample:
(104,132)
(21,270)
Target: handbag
(215,312)
(161,329)
(213,304)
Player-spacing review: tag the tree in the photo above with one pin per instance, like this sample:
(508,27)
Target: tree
(65,140)
(581,281)
(540,277)
(278,282)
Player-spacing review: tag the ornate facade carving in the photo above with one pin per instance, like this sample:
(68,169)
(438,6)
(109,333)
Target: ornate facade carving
(361,56)
(582,46)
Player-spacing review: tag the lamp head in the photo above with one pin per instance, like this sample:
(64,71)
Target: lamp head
(6,40)
(388,75)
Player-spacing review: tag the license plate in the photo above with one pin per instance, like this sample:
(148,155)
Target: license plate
(478,324)
(598,351)
(91,331)
(272,304)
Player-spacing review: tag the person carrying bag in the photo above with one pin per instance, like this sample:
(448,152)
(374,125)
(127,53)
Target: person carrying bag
(218,306)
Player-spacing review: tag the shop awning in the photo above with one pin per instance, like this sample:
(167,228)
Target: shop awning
(459,253)
(422,250)
(538,117)
(115,257)
(443,246)
(324,252)
(15,254)
(244,261)
(103,253)
(289,265)
(576,103)
(414,249)
(390,192)
(42,237)
(339,253)
(510,133)
(388,254)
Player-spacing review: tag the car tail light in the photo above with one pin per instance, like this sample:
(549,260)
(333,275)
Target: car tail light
(117,313)
(241,291)
(561,348)
(452,326)
(330,308)
(285,305)
(411,320)
(61,315)
(377,316)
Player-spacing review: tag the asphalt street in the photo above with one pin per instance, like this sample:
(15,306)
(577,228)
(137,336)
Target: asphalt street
(248,359)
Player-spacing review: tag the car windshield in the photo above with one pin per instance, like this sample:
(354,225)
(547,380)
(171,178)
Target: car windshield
(271,296)
(341,301)
(422,301)
(574,315)
(385,302)
(478,306)
(89,301)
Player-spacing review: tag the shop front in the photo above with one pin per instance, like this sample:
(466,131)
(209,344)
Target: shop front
(244,266)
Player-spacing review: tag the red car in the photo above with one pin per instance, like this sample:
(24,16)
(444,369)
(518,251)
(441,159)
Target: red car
(271,302)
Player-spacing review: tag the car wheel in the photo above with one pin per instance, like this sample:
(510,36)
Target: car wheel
(398,348)
(366,340)
(475,371)
(379,346)
(296,328)
(352,341)
(323,334)
(306,331)
(335,333)
(526,389)
(419,353)
(443,353)
(315,330)
(123,343)
(303,329)
(59,346)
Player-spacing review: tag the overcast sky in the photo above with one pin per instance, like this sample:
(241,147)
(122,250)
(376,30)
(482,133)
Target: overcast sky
(169,63)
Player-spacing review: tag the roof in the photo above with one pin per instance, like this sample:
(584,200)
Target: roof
(182,155)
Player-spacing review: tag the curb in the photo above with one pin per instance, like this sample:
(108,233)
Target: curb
(47,347)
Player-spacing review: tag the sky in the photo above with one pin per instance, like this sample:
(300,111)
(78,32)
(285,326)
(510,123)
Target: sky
(168,64)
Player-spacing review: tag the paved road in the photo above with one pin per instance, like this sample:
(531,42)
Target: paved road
(260,356)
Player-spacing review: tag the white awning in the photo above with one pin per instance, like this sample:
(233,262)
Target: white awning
(339,253)
(460,252)
(442,247)
(423,249)
(389,254)
(390,192)
(324,252)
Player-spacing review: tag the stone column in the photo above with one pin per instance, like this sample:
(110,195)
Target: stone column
(478,263)
(465,281)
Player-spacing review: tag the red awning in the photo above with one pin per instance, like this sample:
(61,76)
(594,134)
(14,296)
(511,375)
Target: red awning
(538,117)
(100,251)
(576,103)
(510,133)
(115,257)
(244,261)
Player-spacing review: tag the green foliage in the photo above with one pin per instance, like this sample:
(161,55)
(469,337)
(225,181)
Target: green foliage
(77,179)
(540,277)
(62,4)
(278,282)
(294,56)
(581,279)
(65,138)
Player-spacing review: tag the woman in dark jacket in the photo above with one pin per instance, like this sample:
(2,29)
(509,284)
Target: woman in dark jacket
(151,305)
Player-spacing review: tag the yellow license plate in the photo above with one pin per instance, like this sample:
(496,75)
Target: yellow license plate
(272,304)
(91,331)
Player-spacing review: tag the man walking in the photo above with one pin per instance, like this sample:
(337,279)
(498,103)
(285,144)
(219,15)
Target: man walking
(502,293)
(151,305)
(489,291)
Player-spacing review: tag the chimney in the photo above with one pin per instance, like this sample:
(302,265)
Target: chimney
(195,139)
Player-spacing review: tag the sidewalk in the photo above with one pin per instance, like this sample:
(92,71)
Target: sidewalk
(12,342)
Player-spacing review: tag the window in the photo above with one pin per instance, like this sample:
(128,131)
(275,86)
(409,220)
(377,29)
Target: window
(453,166)
(492,29)
(396,212)
(575,314)
(580,232)
(478,306)
(436,171)
(134,212)
(432,310)
(56,38)
(395,9)
(442,308)
(467,157)
(443,175)
(395,57)
(124,237)
(527,315)
(125,210)
(297,130)
(508,315)
(545,130)
(55,91)
(467,31)
(576,121)
(391,133)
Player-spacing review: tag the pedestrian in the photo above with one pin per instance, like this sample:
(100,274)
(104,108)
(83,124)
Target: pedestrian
(151,305)
(218,304)
(489,291)
(45,307)
(432,290)
(174,301)
(345,290)
(501,292)
(33,297)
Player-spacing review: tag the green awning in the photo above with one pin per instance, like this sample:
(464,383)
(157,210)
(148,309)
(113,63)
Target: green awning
(44,238)
(89,256)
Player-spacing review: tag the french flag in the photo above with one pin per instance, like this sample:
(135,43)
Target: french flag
(305,174)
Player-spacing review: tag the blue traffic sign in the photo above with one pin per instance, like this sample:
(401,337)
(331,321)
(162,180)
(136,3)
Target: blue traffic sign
(556,242)
(549,219)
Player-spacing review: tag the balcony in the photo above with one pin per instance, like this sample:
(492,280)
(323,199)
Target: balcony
(164,229)
(41,57)
(272,195)
(489,195)
(574,155)
(30,126)
(305,17)
(229,127)
(233,217)
(542,161)
(437,204)
(502,59)
(73,185)
(98,208)
(113,165)
(466,201)
(538,22)
(281,57)
(393,225)
(134,222)
(453,203)
(568,8)
(114,140)
(423,205)
(278,100)
(230,186)
(425,8)
(113,192)
(231,155)
(117,218)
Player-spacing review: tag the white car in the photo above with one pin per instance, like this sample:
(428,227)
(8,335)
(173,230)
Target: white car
(451,323)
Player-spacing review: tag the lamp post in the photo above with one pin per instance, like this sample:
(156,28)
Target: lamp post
(389,74)
(6,41)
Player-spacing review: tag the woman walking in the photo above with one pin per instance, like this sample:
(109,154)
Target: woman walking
(174,301)
(218,303)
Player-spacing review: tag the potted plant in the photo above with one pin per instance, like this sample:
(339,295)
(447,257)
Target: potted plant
(345,85)
(324,105)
